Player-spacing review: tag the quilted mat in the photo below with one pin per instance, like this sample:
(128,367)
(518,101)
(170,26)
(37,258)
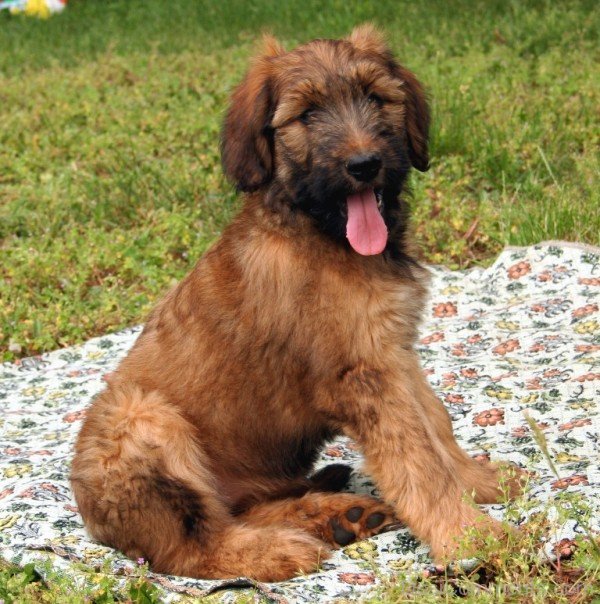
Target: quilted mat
(520,337)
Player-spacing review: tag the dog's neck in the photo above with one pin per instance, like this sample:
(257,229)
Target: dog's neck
(291,227)
(277,211)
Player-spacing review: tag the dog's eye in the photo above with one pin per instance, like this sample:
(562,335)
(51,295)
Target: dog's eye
(375,99)
(305,116)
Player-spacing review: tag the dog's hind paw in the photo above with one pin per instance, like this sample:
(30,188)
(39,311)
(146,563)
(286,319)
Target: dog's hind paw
(355,517)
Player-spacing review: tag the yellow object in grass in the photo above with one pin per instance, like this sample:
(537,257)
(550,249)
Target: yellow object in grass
(38,8)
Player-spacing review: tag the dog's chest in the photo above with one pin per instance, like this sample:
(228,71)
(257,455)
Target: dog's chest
(363,315)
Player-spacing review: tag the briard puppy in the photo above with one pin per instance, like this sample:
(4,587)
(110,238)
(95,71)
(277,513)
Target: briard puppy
(297,325)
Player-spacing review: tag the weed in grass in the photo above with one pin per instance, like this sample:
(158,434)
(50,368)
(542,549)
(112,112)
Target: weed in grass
(528,566)
(26,585)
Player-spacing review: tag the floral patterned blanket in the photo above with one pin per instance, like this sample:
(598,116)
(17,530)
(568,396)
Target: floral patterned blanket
(520,337)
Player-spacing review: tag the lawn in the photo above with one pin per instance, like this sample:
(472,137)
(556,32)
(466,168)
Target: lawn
(110,183)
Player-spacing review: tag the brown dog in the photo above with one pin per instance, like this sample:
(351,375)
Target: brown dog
(298,325)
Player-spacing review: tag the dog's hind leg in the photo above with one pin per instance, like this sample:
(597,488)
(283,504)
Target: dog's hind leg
(330,479)
(337,518)
(143,485)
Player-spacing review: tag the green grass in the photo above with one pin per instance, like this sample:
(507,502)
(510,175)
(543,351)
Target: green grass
(25,585)
(110,184)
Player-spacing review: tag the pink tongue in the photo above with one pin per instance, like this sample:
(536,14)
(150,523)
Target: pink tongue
(365,228)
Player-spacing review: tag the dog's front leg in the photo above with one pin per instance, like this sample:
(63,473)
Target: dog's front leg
(414,467)
(486,482)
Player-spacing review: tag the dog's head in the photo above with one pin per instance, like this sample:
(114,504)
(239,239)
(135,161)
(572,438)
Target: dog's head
(332,128)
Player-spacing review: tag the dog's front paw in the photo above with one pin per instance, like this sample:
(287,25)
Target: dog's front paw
(463,536)
(512,480)
(493,482)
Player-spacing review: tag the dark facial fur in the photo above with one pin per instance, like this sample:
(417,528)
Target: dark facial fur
(343,119)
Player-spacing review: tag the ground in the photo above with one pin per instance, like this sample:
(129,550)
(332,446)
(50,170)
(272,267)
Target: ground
(110,184)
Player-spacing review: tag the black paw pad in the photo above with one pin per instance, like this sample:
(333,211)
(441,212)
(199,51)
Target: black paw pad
(340,535)
(374,520)
(354,514)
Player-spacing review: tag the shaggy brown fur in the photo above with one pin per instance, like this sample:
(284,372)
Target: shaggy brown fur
(197,455)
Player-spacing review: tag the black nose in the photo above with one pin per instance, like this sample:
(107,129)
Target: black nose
(364,167)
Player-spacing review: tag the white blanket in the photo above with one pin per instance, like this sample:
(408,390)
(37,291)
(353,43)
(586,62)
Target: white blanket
(522,336)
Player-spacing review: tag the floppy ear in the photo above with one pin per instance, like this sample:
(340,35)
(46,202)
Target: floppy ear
(246,138)
(368,38)
(417,118)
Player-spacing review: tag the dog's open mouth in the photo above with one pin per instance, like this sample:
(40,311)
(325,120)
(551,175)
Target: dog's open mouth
(365,228)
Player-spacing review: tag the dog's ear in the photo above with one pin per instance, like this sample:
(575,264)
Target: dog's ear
(246,138)
(417,117)
(368,39)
